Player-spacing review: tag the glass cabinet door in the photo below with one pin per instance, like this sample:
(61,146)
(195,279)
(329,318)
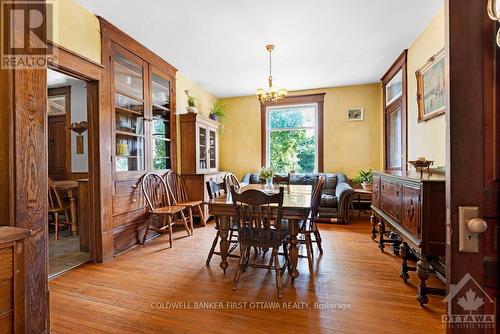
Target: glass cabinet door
(160,122)
(212,147)
(202,148)
(129,113)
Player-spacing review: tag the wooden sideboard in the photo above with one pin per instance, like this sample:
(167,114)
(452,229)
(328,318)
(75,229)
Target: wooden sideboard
(409,212)
(12,279)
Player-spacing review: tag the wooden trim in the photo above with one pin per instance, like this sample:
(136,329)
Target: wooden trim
(24,176)
(67,60)
(134,46)
(319,99)
(399,64)
(80,67)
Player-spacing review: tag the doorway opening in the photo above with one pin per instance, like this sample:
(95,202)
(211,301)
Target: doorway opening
(68,171)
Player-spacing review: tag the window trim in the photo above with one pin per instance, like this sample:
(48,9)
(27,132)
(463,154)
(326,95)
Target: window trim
(317,99)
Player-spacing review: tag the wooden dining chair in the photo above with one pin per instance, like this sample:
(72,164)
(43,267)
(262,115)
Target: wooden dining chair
(282,180)
(161,205)
(279,180)
(259,226)
(57,208)
(216,190)
(309,226)
(177,188)
(231,180)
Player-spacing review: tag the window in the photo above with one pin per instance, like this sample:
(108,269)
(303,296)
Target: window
(292,134)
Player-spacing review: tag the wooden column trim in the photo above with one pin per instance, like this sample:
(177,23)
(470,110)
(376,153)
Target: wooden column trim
(318,98)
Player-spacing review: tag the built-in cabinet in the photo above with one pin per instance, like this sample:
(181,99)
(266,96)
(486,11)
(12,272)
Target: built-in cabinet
(142,115)
(142,104)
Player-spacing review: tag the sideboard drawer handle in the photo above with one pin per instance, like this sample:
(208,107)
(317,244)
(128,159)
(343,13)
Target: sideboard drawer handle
(134,200)
(134,186)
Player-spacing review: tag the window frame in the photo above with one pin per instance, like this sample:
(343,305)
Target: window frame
(297,100)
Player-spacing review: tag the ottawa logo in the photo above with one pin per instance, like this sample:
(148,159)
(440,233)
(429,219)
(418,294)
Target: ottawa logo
(474,303)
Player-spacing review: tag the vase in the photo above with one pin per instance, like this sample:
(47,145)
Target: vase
(269,184)
(367,186)
(192,110)
(213,117)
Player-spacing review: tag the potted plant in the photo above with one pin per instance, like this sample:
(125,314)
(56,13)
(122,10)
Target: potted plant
(365,178)
(191,101)
(267,173)
(218,111)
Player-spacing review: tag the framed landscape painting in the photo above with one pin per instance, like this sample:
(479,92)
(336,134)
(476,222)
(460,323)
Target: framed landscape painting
(431,88)
(355,114)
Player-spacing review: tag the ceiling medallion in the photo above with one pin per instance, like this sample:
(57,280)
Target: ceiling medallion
(273,94)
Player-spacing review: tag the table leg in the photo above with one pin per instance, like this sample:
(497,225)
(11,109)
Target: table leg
(74,213)
(359,206)
(293,250)
(224,242)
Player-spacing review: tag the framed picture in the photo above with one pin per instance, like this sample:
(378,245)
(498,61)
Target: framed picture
(431,88)
(56,105)
(355,114)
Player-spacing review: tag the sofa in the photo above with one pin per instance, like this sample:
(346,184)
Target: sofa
(336,195)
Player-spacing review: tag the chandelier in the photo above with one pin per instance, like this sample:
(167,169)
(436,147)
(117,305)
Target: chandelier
(274,94)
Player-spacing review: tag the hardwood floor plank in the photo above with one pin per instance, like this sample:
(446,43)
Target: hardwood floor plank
(136,292)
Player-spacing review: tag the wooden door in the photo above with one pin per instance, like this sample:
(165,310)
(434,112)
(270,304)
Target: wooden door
(57,147)
(473,164)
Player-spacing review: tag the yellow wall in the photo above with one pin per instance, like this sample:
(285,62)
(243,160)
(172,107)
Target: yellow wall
(77,29)
(426,139)
(204,101)
(348,146)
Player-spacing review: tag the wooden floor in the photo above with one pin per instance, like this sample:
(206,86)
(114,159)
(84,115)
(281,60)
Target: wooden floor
(138,291)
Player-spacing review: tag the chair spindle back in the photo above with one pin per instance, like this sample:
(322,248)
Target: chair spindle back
(156,191)
(176,187)
(215,189)
(55,201)
(256,210)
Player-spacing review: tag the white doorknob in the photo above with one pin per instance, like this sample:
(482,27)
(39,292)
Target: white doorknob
(477,225)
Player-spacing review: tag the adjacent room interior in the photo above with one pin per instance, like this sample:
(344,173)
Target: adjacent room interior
(67,158)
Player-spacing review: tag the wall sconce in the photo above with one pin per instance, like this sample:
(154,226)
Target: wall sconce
(79,128)
(494,14)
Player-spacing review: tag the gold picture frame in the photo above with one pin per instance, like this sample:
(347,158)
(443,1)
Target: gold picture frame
(431,88)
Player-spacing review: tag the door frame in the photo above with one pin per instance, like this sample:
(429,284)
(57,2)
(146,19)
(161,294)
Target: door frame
(400,64)
(89,71)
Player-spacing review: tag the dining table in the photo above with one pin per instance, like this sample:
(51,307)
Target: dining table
(70,187)
(296,208)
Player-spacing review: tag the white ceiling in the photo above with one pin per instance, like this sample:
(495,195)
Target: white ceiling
(319,43)
(58,79)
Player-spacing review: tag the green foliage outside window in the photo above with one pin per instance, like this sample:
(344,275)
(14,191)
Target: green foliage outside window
(288,145)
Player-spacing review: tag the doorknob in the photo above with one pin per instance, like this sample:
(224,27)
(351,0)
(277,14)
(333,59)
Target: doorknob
(470,226)
(477,225)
